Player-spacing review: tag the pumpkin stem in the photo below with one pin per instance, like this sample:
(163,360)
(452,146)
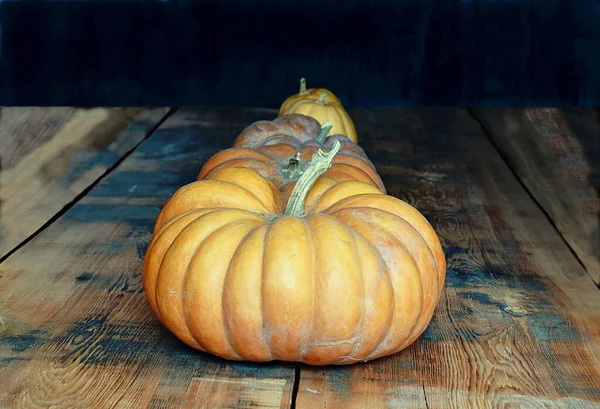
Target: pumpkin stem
(322,98)
(319,163)
(303,90)
(293,169)
(324,131)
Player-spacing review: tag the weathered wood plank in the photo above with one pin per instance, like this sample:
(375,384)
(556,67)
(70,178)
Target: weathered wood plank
(518,324)
(553,153)
(225,392)
(75,327)
(49,156)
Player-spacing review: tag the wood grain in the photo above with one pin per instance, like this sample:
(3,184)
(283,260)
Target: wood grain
(50,155)
(553,153)
(518,325)
(244,393)
(75,327)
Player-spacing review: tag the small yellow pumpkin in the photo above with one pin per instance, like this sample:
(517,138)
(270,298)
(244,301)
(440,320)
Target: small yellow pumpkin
(324,111)
(308,94)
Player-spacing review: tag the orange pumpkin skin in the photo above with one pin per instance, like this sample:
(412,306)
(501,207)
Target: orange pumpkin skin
(323,110)
(308,94)
(355,278)
(268,146)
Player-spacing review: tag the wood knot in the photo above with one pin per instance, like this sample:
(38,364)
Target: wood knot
(516,311)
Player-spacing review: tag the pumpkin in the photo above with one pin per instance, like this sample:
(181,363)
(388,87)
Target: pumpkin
(281,149)
(307,94)
(323,110)
(335,275)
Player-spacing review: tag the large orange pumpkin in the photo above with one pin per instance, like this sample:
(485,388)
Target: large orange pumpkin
(333,276)
(280,150)
(307,94)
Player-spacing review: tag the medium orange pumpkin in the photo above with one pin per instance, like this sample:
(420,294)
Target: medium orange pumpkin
(338,275)
(308,94)
(280,150)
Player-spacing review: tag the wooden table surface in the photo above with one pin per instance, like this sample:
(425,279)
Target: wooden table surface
(518,324)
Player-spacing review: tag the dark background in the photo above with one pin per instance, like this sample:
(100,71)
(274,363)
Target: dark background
(252,53)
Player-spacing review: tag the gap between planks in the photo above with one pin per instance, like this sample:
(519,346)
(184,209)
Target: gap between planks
(515,174)
(86,190)
(296,386)
(571,223)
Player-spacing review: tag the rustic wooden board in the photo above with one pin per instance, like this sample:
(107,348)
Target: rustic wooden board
(554,152)
(518,324)
(49,156)
(75,328)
